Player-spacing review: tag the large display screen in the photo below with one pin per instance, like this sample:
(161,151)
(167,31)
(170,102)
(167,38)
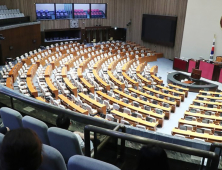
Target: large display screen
(98,10)
(159,29)
(64,11)
(81,11)
(45,11)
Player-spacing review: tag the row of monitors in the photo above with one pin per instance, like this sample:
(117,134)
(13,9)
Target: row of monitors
(69,11)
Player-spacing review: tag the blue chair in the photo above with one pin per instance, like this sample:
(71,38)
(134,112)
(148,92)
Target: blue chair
(1,139)
(39,127)
(52,159)
(11,118)
(79,162)
(65,142)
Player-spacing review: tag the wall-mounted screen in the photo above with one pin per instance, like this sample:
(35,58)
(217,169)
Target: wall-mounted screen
(98,10)
(159,29)
(81,11)
(45,11)
(64,11)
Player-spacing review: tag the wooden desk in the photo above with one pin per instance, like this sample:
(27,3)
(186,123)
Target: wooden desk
(209,138)
(215,117)
(210,97)
(48,71)
(143,79)
(70,86)
(200,124)
(72,105)
(141,102)
(206,108)
(134,121)
(208,102)
(186,90)
(131,81)
(100,107)
(32,70)
(116,81)
(177,98)
(9,82)
(182,94)
(52,88)
(87,85)
(41,99)
(14,71)
(172,104)
(64,72)
(31,87)
(100,81)
(210,92)
(145,113)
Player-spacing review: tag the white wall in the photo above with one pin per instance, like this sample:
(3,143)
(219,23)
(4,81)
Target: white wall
(201,23)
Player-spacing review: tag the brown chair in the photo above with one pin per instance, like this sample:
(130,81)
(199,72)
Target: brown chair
(196,74)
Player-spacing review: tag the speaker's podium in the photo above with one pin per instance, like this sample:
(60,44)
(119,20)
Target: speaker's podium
(196,74)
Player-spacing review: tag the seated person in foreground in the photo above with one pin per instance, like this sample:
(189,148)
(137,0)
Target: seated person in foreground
(21,150)
(4,130)
(62,121)
(152,157)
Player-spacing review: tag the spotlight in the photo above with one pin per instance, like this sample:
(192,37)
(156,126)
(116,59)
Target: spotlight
(115,28)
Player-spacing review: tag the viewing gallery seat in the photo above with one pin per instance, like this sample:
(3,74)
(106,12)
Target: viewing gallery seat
(108,80)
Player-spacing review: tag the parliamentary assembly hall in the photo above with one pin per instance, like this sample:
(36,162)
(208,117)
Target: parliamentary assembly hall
(110,84)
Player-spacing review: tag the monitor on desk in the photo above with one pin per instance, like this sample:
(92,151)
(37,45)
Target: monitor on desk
(189,118)
(134,114)
(151,93)
(217,95)
(154,102)
(170,87)
(144,99)
(200,130)
(157,88)
(161,96)
(217,133)
(149,86)
(166,105)
(204,94)
(166,91)
(147,108)
(210,105)
(193,110)
(200,98)
(172,99)
(196,104)
(206,121)
(149,119)
(176,94)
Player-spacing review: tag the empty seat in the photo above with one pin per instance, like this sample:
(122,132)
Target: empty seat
(38,126)
(79,162)
(51,159)
(11,118)
(65,142)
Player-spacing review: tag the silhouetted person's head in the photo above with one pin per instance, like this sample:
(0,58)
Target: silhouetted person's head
(21,150)
(152,157)
(62,121)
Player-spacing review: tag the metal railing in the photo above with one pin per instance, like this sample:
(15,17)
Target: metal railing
(53,110)
(212,161)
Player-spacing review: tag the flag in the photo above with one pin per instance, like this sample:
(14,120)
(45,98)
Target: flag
(212,50)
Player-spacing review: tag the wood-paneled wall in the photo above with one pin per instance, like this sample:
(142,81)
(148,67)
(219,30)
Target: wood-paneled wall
(119,13)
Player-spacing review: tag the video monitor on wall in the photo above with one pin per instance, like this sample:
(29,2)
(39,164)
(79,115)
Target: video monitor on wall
(45,11)
(81,11)
(64,11)
(98,10)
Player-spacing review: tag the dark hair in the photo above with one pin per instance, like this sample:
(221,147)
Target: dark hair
(21,149)
(152,157)
(62,121)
